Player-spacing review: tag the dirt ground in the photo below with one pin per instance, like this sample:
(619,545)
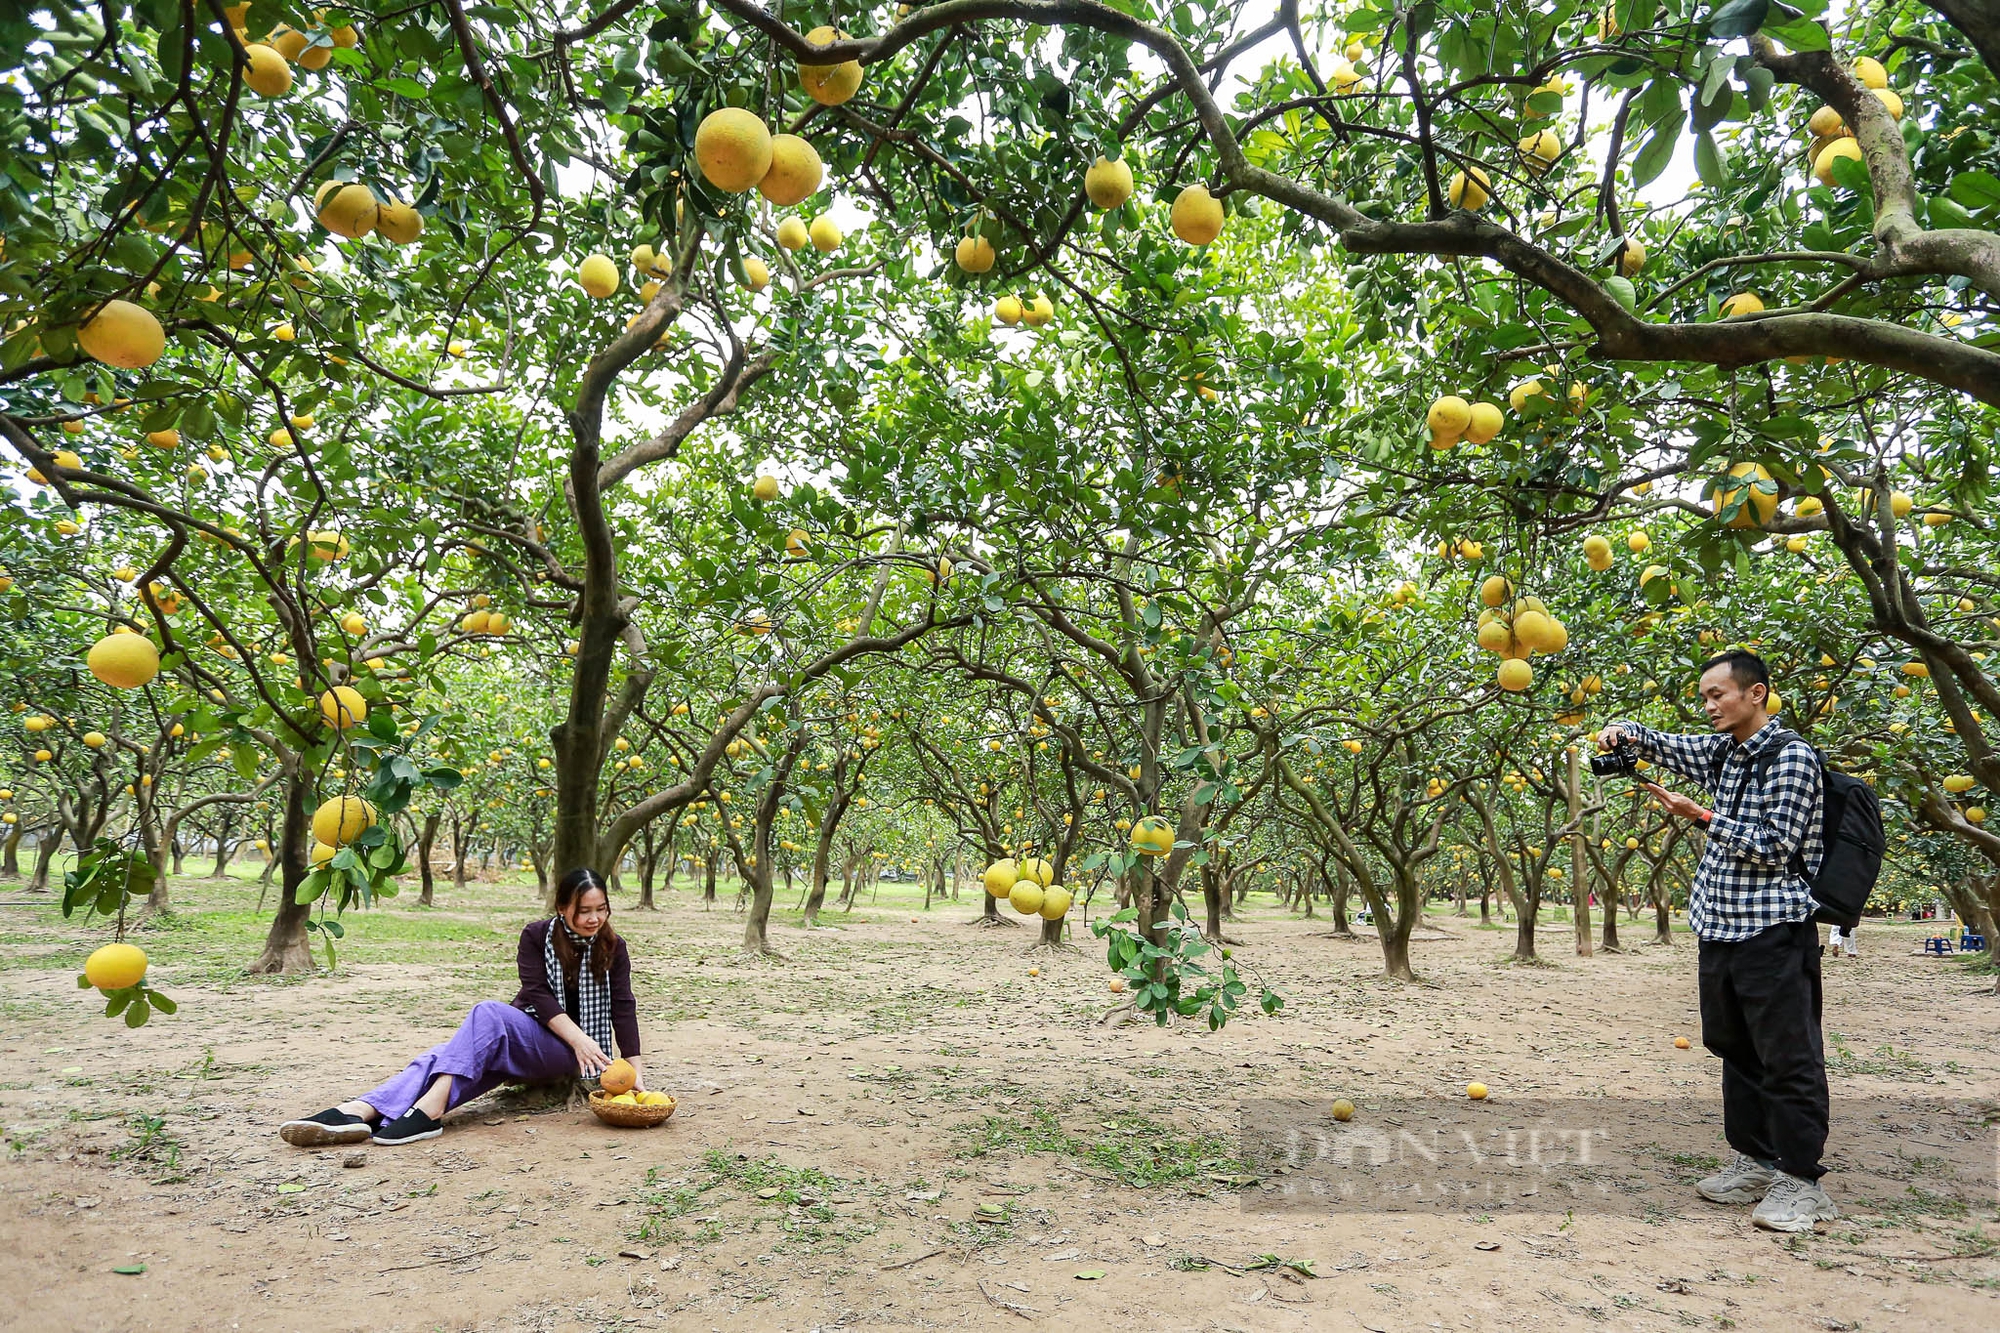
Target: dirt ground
(898,1126)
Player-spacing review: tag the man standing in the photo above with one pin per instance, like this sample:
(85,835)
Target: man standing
(1752,907)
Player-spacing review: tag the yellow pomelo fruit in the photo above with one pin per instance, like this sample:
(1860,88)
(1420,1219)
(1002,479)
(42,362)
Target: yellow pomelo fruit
(1494,636)
(1153,836)
(1516,675)
(1000,878)
(825,234)
(765,488)
(1535,631)
(1449,415)
(1108,183)
(1470,190)
(1008,310)
(321,853)
(1759,505)
(795,171)
(1040,310)
(341,820)
(1823,161)
(756,273)
(974,254)
(1518,399)
(343,707)
(1476,1091)
(792,234)
(1196,216)
(124,661)
(1891,100)
(1540,150)
(398,222)
(353,624)
(1342,1109)
(624,1099)
(267,72)
(115,966)
(1485,422)
(1495,590)
(1869,70)
(1597,552)
(619,1077)
(1041,872)
(1026,897)
(1055,903)
(598,275)
(1958,783)
(346,209)
(1637,543)
(1825,123)
(1742,303)
(733,149)
(829,85)
(122,334)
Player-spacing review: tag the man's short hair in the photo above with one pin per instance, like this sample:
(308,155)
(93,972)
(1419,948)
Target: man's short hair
(1745,668)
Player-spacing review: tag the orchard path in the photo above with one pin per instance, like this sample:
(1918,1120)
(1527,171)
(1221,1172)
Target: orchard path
(857,1132)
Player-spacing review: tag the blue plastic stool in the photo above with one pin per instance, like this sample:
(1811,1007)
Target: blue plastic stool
(1938,945)
(1971,943)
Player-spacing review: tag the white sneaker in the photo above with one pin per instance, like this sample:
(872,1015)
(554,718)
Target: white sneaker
(1744,1180)
(1793,1205)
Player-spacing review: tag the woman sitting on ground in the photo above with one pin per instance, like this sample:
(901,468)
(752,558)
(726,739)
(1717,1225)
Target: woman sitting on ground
(576,993)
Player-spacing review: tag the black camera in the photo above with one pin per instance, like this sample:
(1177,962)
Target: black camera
(1620,761)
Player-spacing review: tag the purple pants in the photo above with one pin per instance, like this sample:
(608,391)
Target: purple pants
(496,1044)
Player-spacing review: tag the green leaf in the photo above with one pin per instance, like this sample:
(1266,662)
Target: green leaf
(1738,18)
(1708,163)
(1658,150)
(1976,189)
(1800,34)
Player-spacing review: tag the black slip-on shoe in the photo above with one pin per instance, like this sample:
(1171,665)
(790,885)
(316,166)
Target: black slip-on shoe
(412,1126)
(328,1129)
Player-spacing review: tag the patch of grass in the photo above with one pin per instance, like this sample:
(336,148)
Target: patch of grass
(1885,1062)
(799,1200)
(153,1145)
(1135,1151)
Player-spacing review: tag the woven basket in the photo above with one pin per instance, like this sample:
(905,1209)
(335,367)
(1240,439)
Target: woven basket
(627,1117)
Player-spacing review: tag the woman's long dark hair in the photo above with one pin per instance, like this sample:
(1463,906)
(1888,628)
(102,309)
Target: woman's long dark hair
(573,886)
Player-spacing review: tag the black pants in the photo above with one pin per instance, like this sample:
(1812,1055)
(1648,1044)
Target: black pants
(1760,1002)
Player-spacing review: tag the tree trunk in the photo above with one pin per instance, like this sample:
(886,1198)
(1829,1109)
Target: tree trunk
(1212,897)
(286,949)
(223,846)
(425,841)
(708,887)
(45,852)
(10,854)
(648,862)
(1579,859)
(1336,893)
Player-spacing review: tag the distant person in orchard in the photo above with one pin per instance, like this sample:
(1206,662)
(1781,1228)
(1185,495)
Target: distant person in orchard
(1752,909)
(575,998)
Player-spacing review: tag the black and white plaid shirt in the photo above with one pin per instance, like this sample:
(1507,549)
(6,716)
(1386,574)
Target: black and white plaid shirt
(1745,883)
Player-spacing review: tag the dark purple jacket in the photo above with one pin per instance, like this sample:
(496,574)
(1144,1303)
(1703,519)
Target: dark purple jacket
(538,1001)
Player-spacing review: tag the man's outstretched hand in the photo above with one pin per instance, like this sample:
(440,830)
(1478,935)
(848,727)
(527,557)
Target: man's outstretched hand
(1676,804)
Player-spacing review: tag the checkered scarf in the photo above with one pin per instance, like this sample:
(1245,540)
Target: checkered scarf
(593,993)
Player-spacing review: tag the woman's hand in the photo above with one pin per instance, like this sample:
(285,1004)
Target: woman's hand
(590,1057)
(638,1074)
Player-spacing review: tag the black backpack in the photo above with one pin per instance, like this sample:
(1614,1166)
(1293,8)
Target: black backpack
(1851,833)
